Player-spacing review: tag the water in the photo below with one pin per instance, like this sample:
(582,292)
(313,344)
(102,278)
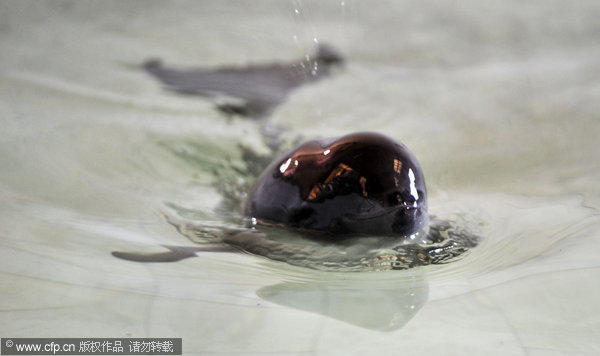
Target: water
(497,100)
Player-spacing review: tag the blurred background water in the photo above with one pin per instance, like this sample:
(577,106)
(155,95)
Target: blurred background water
(498,100)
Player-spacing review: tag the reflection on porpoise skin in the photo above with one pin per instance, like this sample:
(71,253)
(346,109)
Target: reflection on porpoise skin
(354,203)
(357,203)
(361,183)
(256,89)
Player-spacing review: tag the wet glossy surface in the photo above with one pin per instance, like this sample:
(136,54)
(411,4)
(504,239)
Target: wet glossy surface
(496,99)
(362,183)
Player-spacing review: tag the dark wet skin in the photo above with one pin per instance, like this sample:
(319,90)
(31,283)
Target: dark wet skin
(354,203)
(360,200)
(253,91)
(362,183)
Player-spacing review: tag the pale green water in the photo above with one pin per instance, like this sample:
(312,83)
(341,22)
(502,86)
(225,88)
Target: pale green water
(497,100)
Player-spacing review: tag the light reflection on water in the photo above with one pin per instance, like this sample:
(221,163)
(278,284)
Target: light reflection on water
(495,101)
